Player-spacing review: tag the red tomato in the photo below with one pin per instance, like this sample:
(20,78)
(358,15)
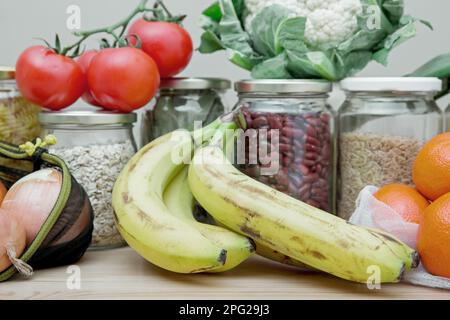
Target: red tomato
(84,62)
(167,43)
(123,79)
(49,79)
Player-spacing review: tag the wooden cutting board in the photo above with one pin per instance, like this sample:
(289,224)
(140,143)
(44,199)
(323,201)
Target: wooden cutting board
(123,274)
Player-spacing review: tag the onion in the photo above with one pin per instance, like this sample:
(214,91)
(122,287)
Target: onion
(31,200)
(12,241)
(2,192)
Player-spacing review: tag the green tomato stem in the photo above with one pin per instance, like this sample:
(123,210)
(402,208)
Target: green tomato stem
(163,6)
(109,30)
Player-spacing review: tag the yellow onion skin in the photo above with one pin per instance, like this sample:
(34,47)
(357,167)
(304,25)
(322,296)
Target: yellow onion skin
(2,192)
(31,200)
(10,232)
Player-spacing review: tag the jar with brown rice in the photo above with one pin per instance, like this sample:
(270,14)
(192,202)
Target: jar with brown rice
(382,126)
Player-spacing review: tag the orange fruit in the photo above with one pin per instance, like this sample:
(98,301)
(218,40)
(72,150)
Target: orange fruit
(404,200)
(431,170)
(2,192)
(433,241)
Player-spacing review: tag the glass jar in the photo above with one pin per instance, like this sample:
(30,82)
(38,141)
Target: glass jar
(289,140)
(18,117)
(382,126)
(181,102)
(96,147)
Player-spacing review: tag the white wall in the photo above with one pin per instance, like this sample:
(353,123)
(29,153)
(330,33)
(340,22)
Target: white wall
(22,20)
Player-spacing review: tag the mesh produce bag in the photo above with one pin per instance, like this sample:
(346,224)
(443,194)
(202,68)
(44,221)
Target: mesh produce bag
(67,232)
(373,213)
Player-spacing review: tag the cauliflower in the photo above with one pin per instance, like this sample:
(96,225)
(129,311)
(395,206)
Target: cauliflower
(285,39)
(328,22)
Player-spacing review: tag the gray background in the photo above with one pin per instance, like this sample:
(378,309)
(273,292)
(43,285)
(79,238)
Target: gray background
(23,20)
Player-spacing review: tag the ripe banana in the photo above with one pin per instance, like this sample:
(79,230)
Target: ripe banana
(274,255)
(291,227)
(147,224)
(180,201)
(268,253)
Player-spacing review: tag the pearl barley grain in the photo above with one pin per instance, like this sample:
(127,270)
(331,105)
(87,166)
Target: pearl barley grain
(96,168)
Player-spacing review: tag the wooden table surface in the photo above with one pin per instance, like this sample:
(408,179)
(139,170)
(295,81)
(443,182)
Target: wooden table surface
(122,274)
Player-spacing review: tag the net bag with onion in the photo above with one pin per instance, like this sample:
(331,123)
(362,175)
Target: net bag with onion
(46,218)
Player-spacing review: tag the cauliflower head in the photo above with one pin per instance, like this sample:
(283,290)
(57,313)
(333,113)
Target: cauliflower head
(329,22)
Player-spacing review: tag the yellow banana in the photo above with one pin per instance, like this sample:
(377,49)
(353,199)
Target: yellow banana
(271,254)
(180,201)
(276,256)
(147,224)
(291,227)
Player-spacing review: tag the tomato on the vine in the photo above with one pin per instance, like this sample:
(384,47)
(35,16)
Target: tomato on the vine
(169,44)
(123,79)
(84,61)
(49,79)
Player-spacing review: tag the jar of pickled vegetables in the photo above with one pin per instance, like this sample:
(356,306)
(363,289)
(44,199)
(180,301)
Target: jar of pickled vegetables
(19,121)
(383,124)
(289,138)
(182,102)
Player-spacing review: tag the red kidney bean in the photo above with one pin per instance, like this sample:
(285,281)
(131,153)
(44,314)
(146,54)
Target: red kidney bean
(312,148)
(304,170)
(303,149)
(284,139)
(289,154)
(311,177)
(311,131)
(275,122)
(284,147)
(286,161)
(282,178)
(311,156)
(308,163)
(313,141)
(313,203)
(305,189)
(281,188)
(292,132)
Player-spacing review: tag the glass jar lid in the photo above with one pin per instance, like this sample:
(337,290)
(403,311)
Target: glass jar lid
(86,118)
(195,84)
(396,84)
(284,86)
(7,73)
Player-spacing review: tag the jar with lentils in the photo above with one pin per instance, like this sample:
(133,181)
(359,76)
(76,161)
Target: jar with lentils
(288,141)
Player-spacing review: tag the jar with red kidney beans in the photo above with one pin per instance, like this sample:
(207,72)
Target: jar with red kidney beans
(289,139)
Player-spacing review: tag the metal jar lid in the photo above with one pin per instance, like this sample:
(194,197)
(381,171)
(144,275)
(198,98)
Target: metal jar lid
(86,118)
(284,86)
(195,84)
(7,73)
(394,84)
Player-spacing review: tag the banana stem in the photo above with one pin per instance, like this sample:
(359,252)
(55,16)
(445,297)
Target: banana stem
(203,135)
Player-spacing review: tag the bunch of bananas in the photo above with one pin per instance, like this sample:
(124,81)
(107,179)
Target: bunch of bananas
(154,199)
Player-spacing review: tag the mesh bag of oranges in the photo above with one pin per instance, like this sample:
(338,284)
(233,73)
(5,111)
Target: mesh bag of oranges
(418,215)
(402,222)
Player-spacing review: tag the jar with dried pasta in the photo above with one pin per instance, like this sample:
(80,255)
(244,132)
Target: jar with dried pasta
(19,121)
(382,125)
